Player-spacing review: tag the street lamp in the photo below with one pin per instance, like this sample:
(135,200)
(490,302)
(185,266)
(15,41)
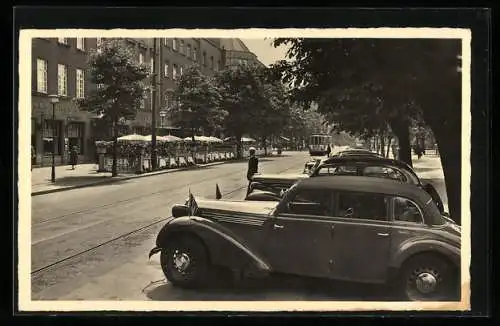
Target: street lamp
(53,99)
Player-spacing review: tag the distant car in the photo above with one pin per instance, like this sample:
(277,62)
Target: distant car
(271,186)
(347,228)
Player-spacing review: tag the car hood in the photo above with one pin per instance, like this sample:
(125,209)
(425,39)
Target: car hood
(237,206)
(284,177)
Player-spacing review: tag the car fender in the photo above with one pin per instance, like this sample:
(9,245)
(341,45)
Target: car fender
(412,247)
(224,247)
(263,196)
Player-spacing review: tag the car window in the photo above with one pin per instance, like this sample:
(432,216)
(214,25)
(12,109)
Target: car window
(308,202)
(338,170)
(362,206)
(383,172)
(406,211)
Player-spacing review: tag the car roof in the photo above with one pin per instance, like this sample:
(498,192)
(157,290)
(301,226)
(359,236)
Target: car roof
(365,184)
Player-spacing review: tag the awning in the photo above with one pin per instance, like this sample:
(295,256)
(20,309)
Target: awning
(284,138)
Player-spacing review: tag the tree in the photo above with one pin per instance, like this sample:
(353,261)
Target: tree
(120,87)
(408,75)
(273,114)
(242,96)
(198,102)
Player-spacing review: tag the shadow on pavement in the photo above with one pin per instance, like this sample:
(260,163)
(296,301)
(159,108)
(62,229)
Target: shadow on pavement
(277,288)
(90,180)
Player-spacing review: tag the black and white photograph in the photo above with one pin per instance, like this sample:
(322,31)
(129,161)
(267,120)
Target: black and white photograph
(244,170)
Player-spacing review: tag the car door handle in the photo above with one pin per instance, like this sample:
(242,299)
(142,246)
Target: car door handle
(383,234)
(277,226)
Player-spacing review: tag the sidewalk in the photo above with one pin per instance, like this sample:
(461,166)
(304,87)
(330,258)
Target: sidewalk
(85,175)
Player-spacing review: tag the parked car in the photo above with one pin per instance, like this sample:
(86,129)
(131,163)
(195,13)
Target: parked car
(357,152)
(271,187)
(347,228)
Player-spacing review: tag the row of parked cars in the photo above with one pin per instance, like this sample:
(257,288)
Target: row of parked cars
(355,216)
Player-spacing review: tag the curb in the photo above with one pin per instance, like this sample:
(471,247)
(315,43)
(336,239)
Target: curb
(116,179)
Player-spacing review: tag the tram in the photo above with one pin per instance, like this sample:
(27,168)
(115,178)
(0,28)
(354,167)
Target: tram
(318,144)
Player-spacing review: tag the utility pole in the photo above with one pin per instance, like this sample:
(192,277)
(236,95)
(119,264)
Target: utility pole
(154,98)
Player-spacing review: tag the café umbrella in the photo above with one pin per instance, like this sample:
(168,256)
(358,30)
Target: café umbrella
(132,137)
(169,139)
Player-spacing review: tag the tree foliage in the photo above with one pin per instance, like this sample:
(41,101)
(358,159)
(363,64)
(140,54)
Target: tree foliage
(367,84)
(121,86)
(120,80)
(198,102)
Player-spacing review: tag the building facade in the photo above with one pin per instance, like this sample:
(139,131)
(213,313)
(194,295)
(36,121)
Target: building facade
(60,67)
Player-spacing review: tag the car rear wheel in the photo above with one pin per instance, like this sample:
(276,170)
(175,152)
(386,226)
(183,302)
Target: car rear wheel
(184,261)
(428,278)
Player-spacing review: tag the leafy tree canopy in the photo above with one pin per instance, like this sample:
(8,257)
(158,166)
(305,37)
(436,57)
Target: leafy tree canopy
(198,101)
(120,80)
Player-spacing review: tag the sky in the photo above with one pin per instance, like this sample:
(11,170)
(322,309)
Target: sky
(266,53)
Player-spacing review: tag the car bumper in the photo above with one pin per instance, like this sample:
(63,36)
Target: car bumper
(154,251)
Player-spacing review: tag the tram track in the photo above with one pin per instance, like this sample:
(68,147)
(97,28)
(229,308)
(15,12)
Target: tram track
(138,230)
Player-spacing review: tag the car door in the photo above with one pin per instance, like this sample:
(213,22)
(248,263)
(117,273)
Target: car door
(362,237)
(299,235)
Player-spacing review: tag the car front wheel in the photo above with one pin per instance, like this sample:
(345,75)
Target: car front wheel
(184,262)
(428,278)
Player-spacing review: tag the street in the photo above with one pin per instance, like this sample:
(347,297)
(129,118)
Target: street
(92,243)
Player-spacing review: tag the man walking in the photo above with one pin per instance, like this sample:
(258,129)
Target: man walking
(328,151)
(253,166)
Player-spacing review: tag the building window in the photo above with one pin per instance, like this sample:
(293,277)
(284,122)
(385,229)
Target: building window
(41,77)
(152,65)
(174,72)
(80,43)
(141,58)
(80,83)
(165,69)
(174,44)
(204,59)
(143,101)
(180,71)
(181,47)
(165,41)
(188,51)
(212,66)
(62,80)
(62,40)
(50,132)
(99,44)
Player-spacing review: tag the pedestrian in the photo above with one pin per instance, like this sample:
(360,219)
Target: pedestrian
(253,166)
(328,151)
(74,157)
(394,151)
(33,157)
(418,151)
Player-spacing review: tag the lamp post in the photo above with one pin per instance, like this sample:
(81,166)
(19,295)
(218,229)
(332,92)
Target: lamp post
(53,99)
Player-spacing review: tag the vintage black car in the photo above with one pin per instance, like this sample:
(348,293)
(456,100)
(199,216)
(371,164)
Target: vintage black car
(348,228)
(315,161)
(357,152)
(271,187)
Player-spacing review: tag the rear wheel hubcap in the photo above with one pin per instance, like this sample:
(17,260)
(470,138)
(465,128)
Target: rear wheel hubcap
(181,261)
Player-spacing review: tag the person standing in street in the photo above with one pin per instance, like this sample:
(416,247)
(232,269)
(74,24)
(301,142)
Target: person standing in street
(33,156)
(328,151)
(253,166)
(74,157)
